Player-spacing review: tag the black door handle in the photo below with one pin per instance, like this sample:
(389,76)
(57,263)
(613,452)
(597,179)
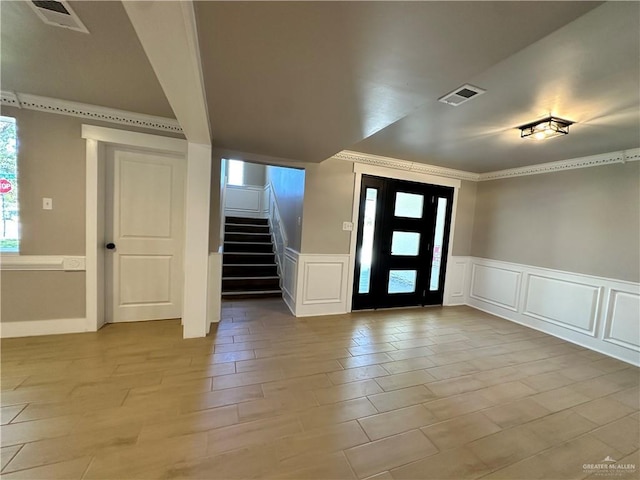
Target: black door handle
(110,246)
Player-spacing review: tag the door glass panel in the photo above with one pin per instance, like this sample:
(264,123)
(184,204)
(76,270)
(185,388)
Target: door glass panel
(366,252)
(405,243)
(402,281)
(438,238)
(408,205)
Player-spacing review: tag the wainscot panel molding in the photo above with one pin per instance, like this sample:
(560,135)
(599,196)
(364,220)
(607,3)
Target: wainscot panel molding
(85,110)
(245,201)
(321,286)
(43,327)
(495,284)
(214,297)
(42,262)
(598,313)
(289,276)
(458,281)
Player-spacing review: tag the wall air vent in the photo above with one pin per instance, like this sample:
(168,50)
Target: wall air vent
(58,14)
(461,95)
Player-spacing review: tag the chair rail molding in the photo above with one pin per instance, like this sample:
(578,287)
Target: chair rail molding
(63,263)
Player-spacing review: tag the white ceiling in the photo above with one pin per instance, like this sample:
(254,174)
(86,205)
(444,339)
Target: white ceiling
(304,80)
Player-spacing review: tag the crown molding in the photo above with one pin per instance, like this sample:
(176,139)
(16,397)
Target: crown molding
(84,110)
(622,156)
(378,161)
(9,99)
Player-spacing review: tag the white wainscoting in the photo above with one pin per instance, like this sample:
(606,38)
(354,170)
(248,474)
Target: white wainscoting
(496,285)
(245,201)
(456,290)
(44,327)
(214,296)
(315,284)
(289,276)
(622,325)
(598,313)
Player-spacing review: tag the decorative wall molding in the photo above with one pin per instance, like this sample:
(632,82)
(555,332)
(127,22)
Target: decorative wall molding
(457,281)
(214,297)
(547,298)
(496,285)
(321,286)
(622,325)
(43,327)
(9,99)
(598,313)
(245,201)
(85,110)
(622,156)
(378,161)
(289,278)
(42,262)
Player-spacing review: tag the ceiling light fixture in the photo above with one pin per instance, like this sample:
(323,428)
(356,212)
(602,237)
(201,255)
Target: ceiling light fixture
(546,128)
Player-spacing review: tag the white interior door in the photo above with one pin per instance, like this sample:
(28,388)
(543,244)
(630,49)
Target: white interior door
(144,224)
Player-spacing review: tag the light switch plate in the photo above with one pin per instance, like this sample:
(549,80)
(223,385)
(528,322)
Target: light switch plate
(47,204)
(347,226)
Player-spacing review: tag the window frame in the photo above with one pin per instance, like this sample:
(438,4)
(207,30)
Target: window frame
(15,188)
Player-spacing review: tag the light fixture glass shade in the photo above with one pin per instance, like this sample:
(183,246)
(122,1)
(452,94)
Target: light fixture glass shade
(547,128)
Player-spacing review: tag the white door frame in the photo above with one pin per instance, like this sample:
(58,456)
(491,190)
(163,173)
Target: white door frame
(97,138)
(363,169)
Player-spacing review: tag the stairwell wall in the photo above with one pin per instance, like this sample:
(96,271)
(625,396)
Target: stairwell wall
(288,188)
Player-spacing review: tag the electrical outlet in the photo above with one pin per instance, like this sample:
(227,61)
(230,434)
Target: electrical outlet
(47,204)
(347,226)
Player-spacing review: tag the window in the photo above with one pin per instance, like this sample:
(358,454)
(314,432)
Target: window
(10,226)
(236,172)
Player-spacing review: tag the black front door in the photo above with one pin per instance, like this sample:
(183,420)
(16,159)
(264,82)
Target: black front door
(403,233)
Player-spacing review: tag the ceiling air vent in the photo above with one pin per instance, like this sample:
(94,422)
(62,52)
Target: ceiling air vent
(461,95)
(58,14)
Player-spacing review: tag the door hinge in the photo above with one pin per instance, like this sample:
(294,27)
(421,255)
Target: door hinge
(433,199)
(424,293)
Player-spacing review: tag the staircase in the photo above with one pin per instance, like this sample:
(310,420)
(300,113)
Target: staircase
(248,267)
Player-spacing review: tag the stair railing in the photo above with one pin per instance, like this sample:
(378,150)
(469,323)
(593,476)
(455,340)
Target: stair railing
(278,231)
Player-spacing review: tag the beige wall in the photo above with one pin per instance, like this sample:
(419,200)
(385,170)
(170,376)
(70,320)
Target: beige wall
(288,186)
(463,228)
(51,163)
(41,295)
(328,201)
(217,177)
(583,221)
(254,174)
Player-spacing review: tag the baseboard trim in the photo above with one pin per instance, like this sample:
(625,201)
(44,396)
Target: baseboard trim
(567,338)
(597,313)
(34,328)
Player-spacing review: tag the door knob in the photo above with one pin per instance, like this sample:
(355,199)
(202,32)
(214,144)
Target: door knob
(110,246)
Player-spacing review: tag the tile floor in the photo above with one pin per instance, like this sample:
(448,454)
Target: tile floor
(407,394)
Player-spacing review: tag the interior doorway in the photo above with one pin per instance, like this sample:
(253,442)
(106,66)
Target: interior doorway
(402,243)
